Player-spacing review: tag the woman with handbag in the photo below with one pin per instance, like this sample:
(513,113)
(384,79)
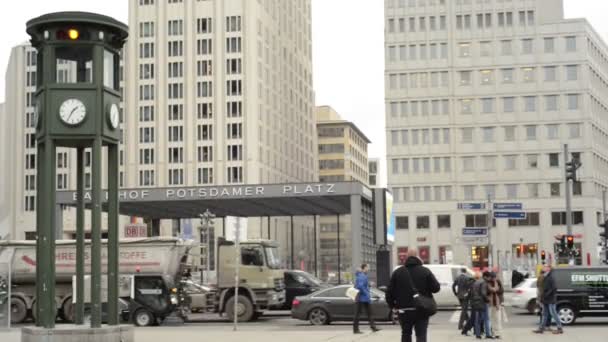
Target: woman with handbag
(410,292)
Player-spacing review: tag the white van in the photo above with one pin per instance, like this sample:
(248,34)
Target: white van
(446,275)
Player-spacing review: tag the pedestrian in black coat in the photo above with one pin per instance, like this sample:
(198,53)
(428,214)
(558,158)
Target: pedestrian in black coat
(400,296)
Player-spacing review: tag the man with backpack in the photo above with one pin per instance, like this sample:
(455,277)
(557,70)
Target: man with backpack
(461,288)
(409,287)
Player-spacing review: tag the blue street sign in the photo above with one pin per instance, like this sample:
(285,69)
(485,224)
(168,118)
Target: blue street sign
(508,206)
(510,215)
(471,206)
(474,231)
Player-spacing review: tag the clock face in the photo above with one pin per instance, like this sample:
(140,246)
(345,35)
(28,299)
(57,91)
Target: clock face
(114,116)
(72,112)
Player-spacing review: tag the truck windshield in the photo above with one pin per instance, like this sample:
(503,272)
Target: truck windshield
(272,257)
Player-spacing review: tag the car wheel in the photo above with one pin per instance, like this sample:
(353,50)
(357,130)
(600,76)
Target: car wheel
(318,316)
(143,318)
(566,314)
(531,307)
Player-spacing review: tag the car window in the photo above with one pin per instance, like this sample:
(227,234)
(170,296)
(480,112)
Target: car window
(336,292)
(252,256)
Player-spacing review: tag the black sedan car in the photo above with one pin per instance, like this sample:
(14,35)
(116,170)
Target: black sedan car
(332,304)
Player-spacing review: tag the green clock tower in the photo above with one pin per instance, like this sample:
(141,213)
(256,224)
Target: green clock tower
(77,106)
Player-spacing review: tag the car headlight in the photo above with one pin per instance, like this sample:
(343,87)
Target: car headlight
(174,300)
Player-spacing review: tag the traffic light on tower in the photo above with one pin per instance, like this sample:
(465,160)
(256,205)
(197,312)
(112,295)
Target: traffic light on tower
(571,168)
(562,243)
(543,256)
(570,242)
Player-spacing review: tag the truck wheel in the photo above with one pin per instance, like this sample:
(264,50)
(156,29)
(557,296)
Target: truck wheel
(244,309)
(18,310)
(566,314)
(69,311)
(143,318)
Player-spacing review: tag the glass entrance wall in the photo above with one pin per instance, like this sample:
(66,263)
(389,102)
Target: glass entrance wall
(479,257)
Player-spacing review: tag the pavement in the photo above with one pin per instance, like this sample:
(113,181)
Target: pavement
(271,334)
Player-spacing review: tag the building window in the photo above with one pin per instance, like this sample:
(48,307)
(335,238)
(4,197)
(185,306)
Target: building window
(146,177)
(532,161)
(549,45)
(402,222)
(559,218)
(571,72)
(204,25)
(176,155)
(175,112)
(510,162)
(575,130)
(175,90)
(465,78)
(205,175)
(176,176)
(555,187)
(533,190)
(527,46)
(529,75)
(508,104)
(550,73)
(205,110)
(234,131)
(423,222)
(235,152)
(553,159)
(468,164)
(507,75)
(235,174)
(30,203)
(233,24)
(553,132)
(577,188)
(511,190)
(571,44)
(205,154)
(487,77)
(488,134)
(444,221)
(531,132)
(530,103)
(551,103)
(468,192)
(467,135)
(506,47)
(573,101)
(476,220)
(532,219)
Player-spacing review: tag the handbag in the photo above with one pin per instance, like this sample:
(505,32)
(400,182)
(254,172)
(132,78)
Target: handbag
(423,304)
(352,293)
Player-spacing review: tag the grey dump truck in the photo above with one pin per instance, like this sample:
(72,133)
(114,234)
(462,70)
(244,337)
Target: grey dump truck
(150,274)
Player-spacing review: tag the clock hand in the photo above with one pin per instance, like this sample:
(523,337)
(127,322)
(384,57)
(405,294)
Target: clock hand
(72,112)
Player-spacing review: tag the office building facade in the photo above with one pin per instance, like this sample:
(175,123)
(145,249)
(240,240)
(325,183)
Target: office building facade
(481,96)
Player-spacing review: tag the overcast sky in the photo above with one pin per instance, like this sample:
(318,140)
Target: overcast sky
(347,48)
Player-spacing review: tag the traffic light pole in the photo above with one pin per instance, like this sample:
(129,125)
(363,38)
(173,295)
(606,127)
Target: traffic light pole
(490,225)
(567,191)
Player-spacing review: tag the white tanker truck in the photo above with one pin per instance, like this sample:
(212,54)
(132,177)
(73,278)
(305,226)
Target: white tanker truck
(150,271)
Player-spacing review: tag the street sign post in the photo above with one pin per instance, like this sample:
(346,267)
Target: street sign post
(514,215)
(471,206)
(508,206)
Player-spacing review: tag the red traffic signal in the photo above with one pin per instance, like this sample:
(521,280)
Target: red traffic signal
(570,241)
(543,255)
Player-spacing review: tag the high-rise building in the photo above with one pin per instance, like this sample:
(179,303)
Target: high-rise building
(374,172)
(342,158)
(215,92)
(481,96)
(219,92)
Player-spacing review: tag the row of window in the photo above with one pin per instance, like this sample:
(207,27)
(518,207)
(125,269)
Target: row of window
(472,192)
(204,110)
(511,75)
(470,135)
(483,77)
(510,104)
(558,218)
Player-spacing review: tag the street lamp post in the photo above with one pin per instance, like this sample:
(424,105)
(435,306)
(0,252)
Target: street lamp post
(206,223)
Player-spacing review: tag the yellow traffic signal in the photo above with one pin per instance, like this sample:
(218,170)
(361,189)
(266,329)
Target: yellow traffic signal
(73,34)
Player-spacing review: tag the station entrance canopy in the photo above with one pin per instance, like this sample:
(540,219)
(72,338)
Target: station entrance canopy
(367,224)
(297,199)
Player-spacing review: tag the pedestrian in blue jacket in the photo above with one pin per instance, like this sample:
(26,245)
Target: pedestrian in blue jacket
(363,299)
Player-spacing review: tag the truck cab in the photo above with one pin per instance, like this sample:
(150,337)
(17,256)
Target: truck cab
(261,279)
